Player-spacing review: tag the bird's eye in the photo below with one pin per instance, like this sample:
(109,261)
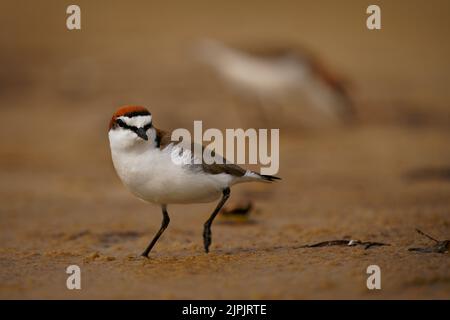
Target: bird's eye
(121,123)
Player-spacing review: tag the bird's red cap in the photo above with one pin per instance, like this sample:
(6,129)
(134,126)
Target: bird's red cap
(129,111)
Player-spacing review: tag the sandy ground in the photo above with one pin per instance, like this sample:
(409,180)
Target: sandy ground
(62,203)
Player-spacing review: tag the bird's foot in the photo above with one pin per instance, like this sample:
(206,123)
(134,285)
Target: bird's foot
(207,239)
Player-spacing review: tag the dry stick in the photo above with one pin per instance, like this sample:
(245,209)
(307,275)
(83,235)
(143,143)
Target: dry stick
(439,247)
(349,243)
(238,210)
(426,235)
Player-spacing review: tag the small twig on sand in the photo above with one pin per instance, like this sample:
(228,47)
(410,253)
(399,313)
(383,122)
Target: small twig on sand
(348,243)
(428,173)
(439,247)
(368,245)
(238,214)
(239,210)
(426,235)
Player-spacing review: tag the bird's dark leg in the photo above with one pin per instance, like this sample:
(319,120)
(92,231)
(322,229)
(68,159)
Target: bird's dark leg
(164,225)
(207,226)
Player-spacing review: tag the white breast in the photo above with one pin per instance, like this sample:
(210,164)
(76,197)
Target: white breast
(152,175)
(259,75)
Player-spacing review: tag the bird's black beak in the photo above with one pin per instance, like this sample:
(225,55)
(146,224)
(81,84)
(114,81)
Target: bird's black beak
(141,132)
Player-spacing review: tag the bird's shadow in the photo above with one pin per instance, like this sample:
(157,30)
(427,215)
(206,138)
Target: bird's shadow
(103,238)
(109,238)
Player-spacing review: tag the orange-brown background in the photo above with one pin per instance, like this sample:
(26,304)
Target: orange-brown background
(61,202)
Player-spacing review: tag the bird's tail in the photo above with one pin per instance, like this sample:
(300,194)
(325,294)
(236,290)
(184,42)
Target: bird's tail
(255,176)
(269,178)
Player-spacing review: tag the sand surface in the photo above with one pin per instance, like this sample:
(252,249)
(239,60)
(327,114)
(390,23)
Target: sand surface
(61,202)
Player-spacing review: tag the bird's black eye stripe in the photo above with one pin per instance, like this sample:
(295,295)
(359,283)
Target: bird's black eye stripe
(147,126)
(122,124)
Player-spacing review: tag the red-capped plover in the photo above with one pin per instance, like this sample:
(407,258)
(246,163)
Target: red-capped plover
(143,157)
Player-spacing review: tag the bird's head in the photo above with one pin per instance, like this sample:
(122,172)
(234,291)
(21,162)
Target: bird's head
(130,125)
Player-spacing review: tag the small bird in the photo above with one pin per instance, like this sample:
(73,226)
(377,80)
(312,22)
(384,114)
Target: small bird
(146,160)
(277,76)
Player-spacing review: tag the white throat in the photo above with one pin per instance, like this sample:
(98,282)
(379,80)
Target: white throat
(123,140)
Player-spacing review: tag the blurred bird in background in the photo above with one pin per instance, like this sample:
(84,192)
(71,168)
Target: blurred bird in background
(287,85)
